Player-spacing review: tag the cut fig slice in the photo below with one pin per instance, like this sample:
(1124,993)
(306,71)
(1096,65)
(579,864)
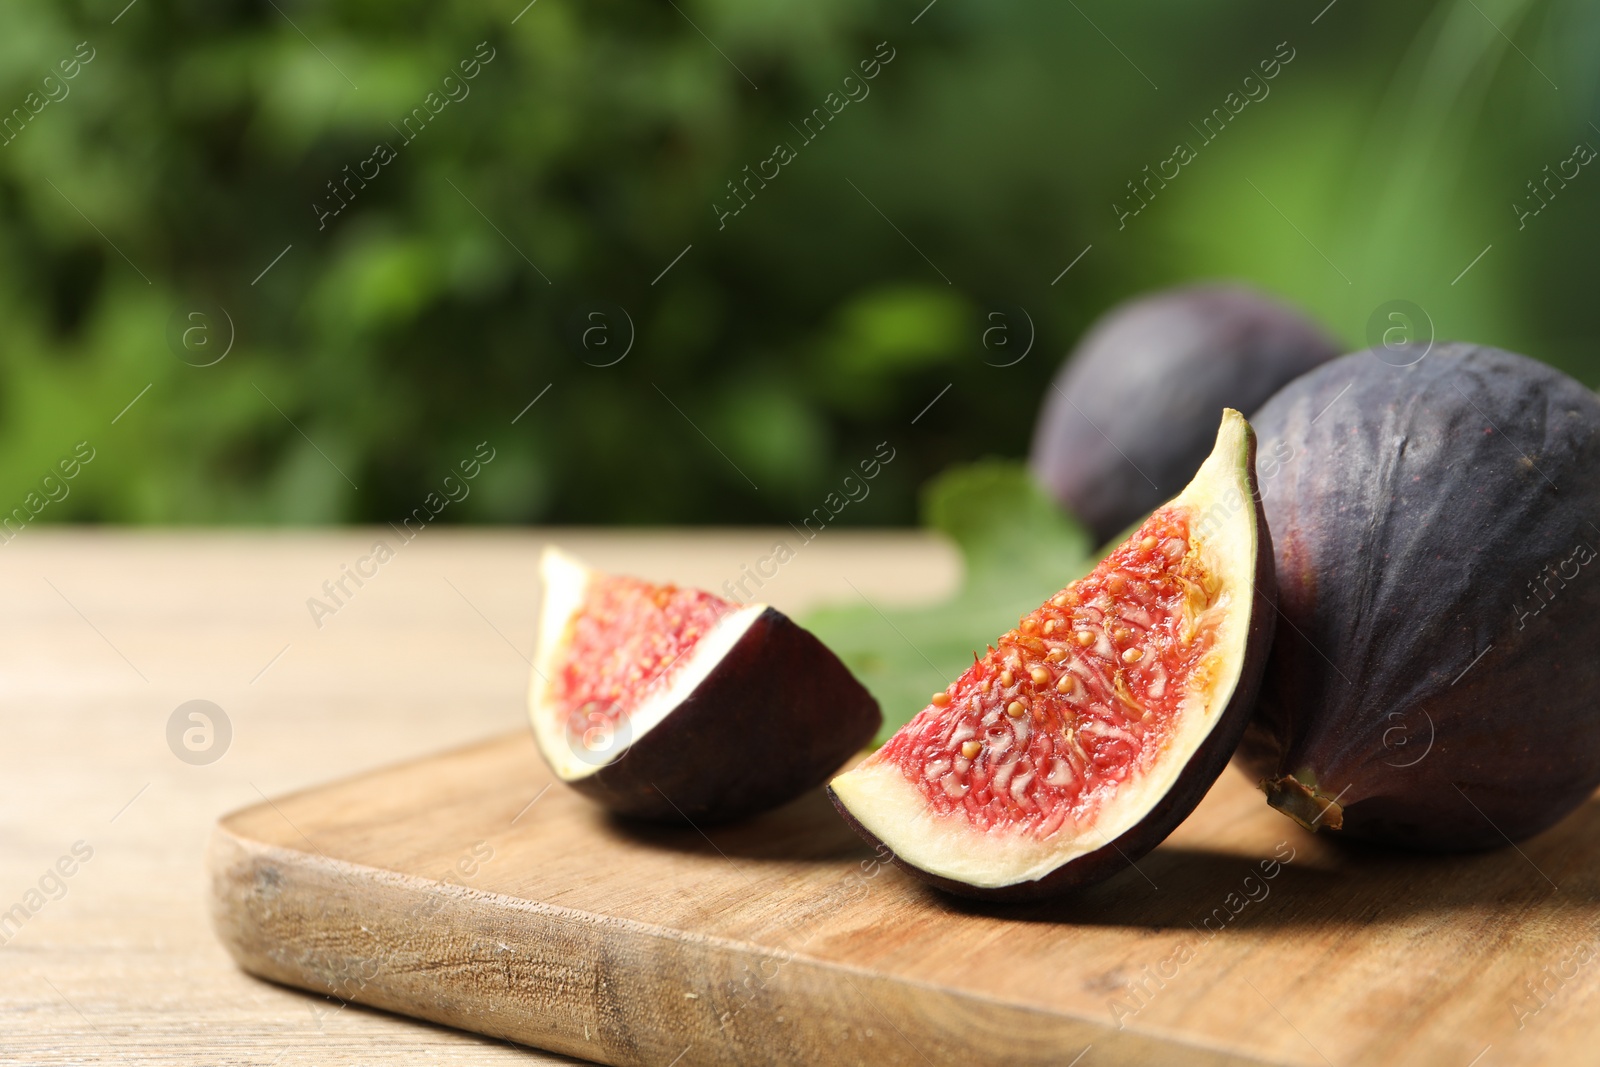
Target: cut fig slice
(1089,732)
(661,702)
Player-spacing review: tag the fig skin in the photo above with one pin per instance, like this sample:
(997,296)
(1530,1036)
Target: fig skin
(1419,692)
(1203,767)
(776,717)
(1137,401)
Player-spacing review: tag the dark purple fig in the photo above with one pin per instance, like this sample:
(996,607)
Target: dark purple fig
(1096,726)
(661,702)
(1131,414)
(1435,676)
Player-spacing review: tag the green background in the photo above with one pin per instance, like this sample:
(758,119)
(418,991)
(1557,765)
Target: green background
(778,351)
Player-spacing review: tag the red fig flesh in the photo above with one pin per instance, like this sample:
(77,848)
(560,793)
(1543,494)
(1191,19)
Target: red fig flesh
(1079,741)
(668,703)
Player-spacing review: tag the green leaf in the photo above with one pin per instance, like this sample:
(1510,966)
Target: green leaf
(1018,547)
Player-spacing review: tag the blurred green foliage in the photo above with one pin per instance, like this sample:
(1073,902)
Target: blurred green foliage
(823,318)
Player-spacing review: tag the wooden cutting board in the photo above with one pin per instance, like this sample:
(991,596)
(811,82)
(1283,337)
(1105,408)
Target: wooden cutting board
(468,889)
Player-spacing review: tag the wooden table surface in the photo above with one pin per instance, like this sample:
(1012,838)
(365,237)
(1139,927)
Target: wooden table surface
(106,633)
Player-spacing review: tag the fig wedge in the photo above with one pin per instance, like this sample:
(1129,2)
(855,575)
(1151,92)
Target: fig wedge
(1085,735)
(666,703)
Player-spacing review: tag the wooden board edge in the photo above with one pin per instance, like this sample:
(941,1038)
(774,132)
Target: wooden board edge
(611,990)
(234,818)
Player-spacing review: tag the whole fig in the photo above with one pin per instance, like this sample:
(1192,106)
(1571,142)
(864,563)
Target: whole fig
(1434,679)
(1131,414)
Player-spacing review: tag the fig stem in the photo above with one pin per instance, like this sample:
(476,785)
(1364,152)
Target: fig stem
(1302,803)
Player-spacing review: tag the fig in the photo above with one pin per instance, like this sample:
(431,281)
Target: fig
(1087,733)
(1433,680)
(667,703)
(1130,415)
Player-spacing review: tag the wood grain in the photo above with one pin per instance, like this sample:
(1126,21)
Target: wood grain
(106,632)
(781,941)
